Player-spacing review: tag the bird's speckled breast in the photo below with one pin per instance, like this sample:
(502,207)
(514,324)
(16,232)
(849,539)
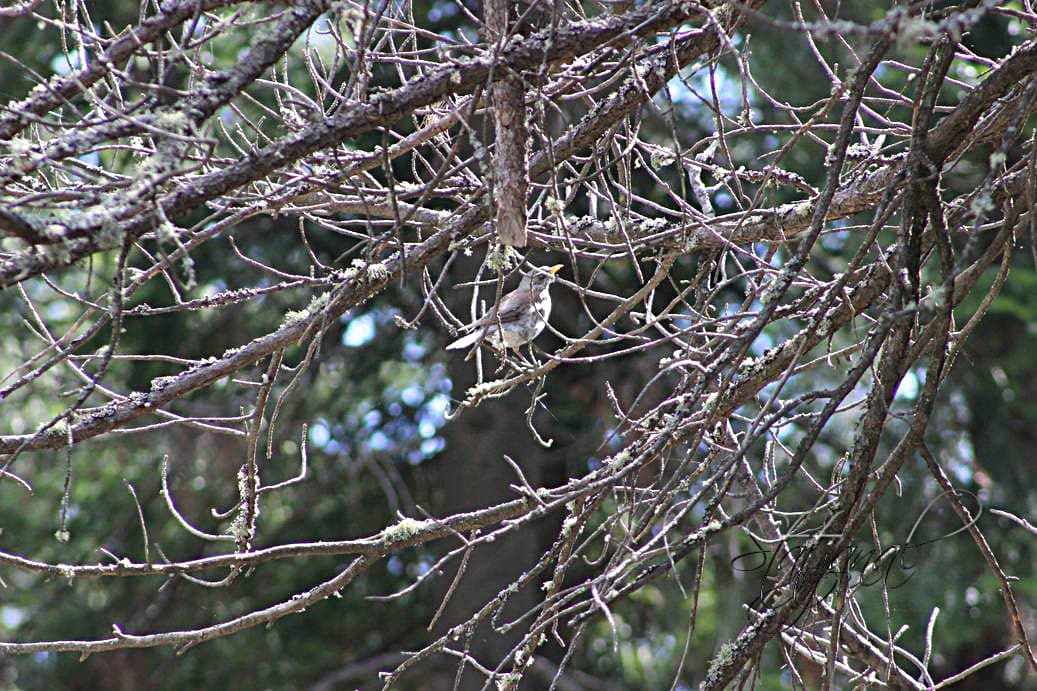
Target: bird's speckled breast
(524,331)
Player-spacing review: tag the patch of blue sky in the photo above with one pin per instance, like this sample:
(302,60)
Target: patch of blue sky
(963,466)
(227,115)
(835,242)
(11,617)
(444,384)
(319,434)
(684,322)
(426,429)
(63,64)
(431,447)
(58,311)
(690,91)
(413,350)
(441,10)
(909,385)
(359,331)
(412,395)
(763,342)
(760,249)
(319,38)
(379,441)
(372,419)
(437,406)
(213,287)
(432,415)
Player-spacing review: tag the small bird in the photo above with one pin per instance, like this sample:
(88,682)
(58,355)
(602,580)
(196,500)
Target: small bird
(523,314)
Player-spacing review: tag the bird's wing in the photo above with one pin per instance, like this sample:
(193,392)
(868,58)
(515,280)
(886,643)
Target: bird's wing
(475,331)
(466,341)
(507,309)
(511,306)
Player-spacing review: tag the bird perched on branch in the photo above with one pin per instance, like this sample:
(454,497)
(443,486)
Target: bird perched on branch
(520,317)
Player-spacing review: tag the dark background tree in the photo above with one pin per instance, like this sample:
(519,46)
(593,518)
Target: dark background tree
(796,311)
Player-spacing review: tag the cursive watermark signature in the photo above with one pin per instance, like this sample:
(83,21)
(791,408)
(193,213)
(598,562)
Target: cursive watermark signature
(785,567)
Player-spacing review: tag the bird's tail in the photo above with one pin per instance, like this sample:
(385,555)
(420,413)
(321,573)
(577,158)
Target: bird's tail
(466,341)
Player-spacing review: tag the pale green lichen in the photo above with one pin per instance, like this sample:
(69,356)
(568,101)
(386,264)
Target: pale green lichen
(317,304)
(555,206)
(507,681)
(165,233)
(19,146)
(981,204)
(404,530)
(484,389)
(293,317)
(723,658)
(243,527)
(58,253)
(913,29)
(110,234)
(61,427)
(501,258)
(406,186)
(13,244)
(137,144)
(174,121)
(662,158)
(161,382)
(154,165)
(237,528)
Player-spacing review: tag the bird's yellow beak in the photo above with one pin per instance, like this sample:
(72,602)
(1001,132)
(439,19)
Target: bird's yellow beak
(554,269)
